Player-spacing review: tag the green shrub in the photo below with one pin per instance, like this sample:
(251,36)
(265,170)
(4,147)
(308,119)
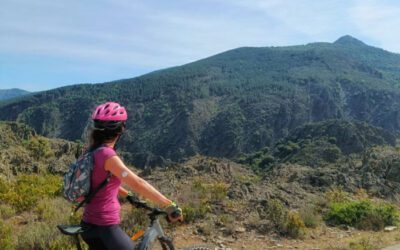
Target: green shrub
(39,147)
(267,161)
(331,154)
(193,212)
(226,218)
(295,227)
(25,192)
(286,222)
(42,235)
(217,191)
(40,231)
(6,239)
(362,214)
(6,211)
(277,214)
(337,194)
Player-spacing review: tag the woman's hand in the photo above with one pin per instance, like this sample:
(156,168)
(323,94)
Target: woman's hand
(174,212)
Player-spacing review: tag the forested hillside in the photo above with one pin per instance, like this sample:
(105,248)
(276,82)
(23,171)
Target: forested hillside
(236,102)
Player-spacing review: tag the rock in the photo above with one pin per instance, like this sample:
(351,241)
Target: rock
(390,228)
(240,229)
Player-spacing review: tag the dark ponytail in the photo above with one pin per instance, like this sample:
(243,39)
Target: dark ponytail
(99,136)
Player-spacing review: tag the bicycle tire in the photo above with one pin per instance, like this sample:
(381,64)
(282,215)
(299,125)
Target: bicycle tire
(197,248)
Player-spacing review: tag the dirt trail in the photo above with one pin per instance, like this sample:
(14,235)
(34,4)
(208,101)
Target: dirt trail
(325,238)
(395,247)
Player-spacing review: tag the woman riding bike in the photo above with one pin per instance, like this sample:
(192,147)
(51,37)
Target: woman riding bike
(101,217)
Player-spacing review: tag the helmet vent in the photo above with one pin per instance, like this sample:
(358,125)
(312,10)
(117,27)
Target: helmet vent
(110,111)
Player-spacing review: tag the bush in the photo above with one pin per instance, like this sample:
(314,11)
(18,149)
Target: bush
(286,222)
(25,192)
(42,235)
(6,239)
(6,211)
(193,212)
(217,191)
(40,231)
(362,214)
(310,217)
(266,162)
(295,227)
(277,214)
(337,194)
(39,147)
(331,154)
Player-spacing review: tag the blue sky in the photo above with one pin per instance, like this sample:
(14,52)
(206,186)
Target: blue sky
(46,44)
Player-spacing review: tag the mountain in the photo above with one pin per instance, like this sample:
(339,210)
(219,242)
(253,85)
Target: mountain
(11,93)
(232,103)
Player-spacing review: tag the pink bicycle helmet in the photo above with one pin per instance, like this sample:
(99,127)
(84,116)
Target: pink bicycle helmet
(110,111)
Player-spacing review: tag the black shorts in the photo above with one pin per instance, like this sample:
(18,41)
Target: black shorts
(106,237)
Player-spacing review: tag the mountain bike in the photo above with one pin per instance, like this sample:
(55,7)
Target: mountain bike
(150,239)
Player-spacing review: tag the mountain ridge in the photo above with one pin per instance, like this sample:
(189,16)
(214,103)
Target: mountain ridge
(6,94)
(231,103)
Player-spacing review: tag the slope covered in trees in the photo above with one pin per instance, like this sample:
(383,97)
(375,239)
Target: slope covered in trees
(235,102)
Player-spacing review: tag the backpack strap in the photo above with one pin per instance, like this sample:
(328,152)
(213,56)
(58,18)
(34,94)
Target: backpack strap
(90,196)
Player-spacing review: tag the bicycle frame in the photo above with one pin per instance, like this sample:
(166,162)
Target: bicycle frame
(155,232)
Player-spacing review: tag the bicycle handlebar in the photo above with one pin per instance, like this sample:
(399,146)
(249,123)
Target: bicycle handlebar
(154,212)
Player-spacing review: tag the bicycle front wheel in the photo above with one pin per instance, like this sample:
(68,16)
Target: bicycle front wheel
(198,248)
(150,241)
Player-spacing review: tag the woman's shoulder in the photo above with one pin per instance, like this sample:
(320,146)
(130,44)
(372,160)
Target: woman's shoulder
(105,152)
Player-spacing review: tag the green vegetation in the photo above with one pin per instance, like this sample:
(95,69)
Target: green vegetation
(6,240)
(285,221)
(26,191)
(29,220)
(319,144)
(363,244)
(306,119)
(236,103)
(40,147)
(362,214)
(202,194)
(310,216)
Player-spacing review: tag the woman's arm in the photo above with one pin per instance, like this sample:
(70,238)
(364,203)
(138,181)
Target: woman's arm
(122,192)
(140,186)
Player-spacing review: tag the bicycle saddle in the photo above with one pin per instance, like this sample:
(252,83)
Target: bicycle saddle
(71,229)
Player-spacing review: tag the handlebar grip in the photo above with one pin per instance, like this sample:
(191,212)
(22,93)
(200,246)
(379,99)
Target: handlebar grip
(176,214)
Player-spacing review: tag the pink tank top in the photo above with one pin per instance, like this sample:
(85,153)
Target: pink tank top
(104,208)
